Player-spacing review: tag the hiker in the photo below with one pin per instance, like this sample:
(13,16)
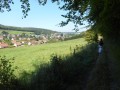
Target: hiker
(100,46)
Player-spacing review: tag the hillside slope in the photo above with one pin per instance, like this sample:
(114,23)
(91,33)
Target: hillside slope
(28,29)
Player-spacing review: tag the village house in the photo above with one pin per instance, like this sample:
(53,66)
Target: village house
(33,42)
(16,44)
(3,45)
(13,38)
(29,43)
(1,37)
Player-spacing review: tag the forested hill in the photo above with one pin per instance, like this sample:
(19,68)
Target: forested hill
(28,29)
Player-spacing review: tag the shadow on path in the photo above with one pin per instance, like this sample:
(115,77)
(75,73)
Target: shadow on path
(99,78)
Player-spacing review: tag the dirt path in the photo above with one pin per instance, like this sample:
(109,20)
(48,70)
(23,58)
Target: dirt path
(99,78)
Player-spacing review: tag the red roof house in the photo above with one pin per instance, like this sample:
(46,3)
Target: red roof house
(3,45)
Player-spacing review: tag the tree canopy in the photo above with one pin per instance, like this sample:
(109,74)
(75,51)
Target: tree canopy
(102,15)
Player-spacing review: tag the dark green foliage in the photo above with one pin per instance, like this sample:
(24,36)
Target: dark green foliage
(105,14)
(25,7)
(4,33)
(91,36)
(7,77)
(8,41)
(102,15)
(5,5)
(68,73)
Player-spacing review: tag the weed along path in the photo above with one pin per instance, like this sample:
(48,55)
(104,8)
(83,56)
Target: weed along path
(99,78)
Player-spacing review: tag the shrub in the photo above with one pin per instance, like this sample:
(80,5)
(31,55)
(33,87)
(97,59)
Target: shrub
(6,73)
(91,36)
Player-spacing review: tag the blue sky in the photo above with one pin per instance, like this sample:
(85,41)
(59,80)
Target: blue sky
(48,17)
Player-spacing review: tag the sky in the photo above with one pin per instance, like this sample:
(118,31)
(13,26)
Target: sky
(47,17)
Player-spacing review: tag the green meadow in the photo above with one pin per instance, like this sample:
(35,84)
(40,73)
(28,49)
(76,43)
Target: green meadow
(26,57)
(15,32)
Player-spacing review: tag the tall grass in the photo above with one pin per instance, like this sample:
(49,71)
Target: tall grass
(68,73)
(61,73)
(28,56)
(68,68)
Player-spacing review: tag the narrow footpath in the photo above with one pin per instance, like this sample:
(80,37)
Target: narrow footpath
(100,76)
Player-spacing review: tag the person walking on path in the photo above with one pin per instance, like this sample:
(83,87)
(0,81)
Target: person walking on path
(100,46)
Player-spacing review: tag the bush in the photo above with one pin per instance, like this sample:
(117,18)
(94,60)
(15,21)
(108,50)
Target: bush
(91,36)
(6,73)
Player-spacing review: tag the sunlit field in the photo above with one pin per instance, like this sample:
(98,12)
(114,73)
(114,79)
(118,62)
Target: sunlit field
(15,32)
(26,57)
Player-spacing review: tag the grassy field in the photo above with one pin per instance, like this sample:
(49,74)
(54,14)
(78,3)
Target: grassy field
(28,56)
(15,32)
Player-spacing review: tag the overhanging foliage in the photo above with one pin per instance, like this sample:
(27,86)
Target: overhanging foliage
(103,15)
